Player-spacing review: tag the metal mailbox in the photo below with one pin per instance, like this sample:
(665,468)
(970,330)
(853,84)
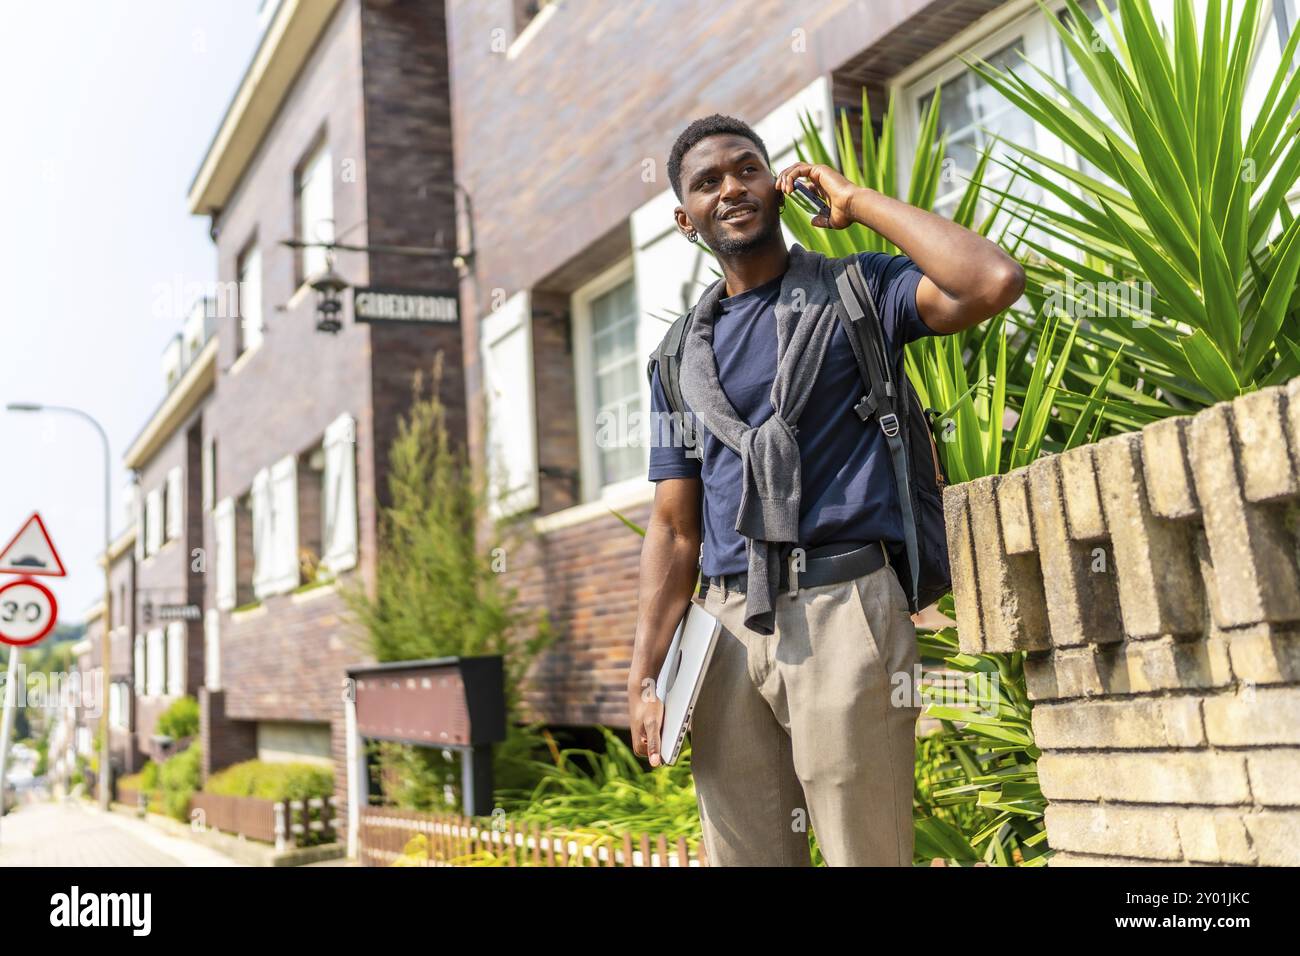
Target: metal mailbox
(457,703)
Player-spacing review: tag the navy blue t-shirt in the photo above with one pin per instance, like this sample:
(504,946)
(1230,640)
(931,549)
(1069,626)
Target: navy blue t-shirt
(848,490)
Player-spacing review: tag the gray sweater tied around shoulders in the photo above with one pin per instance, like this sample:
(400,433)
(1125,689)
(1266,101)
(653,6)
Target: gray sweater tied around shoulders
(769,453)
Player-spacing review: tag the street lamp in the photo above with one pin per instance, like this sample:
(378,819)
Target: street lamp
(105,772)
(328,284)
(329,307)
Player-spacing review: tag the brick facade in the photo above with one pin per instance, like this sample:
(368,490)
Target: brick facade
(553,143)
(169,576)
(375,89)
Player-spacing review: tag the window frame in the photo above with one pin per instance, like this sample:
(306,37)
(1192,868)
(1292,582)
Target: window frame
(319,148)
(244,342)
(1041,45)
(155,677)
(589,459)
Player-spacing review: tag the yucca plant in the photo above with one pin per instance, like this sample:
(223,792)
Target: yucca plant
(1002,392)
(1020,366)
(1197,202)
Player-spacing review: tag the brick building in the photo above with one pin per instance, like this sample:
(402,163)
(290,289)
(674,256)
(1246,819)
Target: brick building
(563,121)
(124,749)
(340,130)
(167,576)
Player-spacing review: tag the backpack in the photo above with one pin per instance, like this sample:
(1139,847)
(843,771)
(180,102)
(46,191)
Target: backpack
(919,475)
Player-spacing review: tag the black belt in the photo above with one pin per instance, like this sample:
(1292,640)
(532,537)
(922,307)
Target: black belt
(828,564)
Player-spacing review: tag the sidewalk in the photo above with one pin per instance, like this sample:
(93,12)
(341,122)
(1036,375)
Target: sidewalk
(73,834)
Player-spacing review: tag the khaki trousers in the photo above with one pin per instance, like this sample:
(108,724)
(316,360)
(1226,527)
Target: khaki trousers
(809,725)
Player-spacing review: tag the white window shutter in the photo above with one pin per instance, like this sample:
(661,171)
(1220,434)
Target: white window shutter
(175,503)
(153,522)
(208,467)
(250,299)
(212,649)
(139,664)
(340,493)
(155,669)
(280,548)
(262,525)
(176,658)
(507,362)
(223,520)
(137,502)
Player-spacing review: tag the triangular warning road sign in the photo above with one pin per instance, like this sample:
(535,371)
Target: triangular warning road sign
(31,551)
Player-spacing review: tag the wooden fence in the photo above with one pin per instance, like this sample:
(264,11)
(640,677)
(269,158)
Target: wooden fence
(390,836)
(286,823)
(247,816)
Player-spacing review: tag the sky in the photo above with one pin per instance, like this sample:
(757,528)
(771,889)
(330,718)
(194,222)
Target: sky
(107,108)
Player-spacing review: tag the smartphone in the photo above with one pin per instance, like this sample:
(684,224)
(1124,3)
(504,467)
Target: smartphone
(822,208)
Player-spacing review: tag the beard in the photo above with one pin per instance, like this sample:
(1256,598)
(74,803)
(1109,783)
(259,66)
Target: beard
(729,245)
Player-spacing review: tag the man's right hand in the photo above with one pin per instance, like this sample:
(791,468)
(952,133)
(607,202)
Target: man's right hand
(646,712)
(667,577)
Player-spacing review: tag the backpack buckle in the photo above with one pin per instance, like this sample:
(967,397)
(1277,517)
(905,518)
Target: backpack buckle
(889,424)
(864,408)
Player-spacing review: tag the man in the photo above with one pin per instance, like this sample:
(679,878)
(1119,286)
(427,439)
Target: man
(796,720)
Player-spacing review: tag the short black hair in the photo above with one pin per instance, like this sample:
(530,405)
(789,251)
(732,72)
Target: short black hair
(708,126)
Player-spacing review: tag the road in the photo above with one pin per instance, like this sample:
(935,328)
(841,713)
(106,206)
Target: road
(72,833)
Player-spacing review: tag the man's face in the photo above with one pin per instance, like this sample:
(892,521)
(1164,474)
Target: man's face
(728,194)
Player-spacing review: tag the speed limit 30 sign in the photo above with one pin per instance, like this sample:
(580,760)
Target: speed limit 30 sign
(28,612)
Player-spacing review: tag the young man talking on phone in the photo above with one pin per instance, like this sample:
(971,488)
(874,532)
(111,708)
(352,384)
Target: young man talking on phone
(796,722)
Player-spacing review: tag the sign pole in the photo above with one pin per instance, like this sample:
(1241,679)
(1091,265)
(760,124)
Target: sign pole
(7,722)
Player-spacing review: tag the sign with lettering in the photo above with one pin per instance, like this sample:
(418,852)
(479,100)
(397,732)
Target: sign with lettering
(405,305)
(180,612)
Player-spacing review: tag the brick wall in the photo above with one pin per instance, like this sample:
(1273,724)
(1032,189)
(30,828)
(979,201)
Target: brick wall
(585,575)
(225,741)
(554,158)
(287,659)
(410,201)
(1153,580)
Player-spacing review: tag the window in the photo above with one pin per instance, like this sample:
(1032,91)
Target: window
(174,503)
(1284,13)
(176,658)
(275,528)
(250,299)
(609,369)
(311,513)
(223,521)
(209,477)
(339,513)
(155,663)
(507,360)
(119,705)
(314,193)
(153,522)
(212,649)
(1078,84)
(972,112)
(172,367)
(139,670)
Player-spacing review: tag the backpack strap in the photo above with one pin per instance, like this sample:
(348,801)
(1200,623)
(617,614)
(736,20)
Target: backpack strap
(667,357)
(867,337)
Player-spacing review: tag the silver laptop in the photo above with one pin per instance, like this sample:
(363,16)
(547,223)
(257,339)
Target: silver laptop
(682,674)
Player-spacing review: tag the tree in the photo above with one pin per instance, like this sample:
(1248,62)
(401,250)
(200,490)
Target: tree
(440,590)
